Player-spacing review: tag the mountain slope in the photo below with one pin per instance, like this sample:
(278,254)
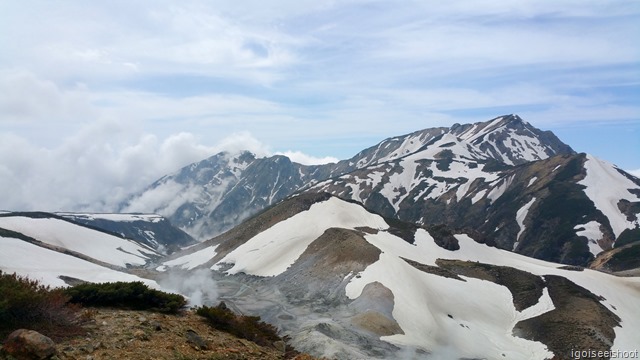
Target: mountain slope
(212,196)
(148,229)
(566,208)
(56,251)
(346,285)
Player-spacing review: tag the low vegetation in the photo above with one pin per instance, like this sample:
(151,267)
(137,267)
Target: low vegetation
(55,312)
(125,295)
(246,327)
(25,303)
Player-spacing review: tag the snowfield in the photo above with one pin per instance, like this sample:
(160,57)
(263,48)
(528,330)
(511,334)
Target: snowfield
(46,265)
(271,252)
(95,244)
(592,232)
(473,319)
(424,302)
(605,186)
(152,218)
(192,260)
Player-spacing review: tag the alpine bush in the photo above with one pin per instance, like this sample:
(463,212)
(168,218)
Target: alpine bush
(245,327)
(125,295)
(25,303)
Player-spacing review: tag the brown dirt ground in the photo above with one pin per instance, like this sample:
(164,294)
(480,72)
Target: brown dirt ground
(123,334)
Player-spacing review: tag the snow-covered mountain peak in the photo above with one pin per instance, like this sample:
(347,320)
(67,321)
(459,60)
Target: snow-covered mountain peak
(511,140)
(211,196)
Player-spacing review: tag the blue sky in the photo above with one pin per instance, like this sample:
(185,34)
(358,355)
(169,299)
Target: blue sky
(101,98)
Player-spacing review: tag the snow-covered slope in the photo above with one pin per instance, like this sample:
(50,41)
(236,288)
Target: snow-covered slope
(606,186)
(94,244)
(271,252)
(570,192)
(466,303)
(50,267)
(148,229)
(59,252)
(510,140)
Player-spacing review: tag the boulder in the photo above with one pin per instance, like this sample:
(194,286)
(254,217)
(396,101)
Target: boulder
(28,344)
(196,341)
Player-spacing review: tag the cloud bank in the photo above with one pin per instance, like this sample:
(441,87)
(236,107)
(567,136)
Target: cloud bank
(98,167)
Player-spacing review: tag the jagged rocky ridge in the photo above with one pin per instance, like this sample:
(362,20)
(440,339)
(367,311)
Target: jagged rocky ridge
(517,186)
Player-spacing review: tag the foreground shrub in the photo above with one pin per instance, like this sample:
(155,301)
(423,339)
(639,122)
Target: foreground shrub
(125,295)
(245,327)
(25,303)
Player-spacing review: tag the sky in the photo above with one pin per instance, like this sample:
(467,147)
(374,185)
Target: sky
(99,99)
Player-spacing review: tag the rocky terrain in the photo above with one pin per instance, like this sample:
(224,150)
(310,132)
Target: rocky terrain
(124,334)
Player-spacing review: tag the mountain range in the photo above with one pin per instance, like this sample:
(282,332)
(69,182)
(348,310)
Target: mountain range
(513,184)
(347,283)
(491,240)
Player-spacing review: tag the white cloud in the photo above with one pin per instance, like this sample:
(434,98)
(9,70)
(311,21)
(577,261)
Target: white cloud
(103,163)
(304,159)
(242,141)
(26,98)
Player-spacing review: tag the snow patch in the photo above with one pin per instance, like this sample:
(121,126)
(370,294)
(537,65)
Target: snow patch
(592,232)
(477,197)
(605,186)
(194,259)
(544,305)
(521,215)
(498,190)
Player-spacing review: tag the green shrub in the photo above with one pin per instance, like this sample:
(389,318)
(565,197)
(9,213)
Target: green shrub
(125,295)
(245,327)
(25,303)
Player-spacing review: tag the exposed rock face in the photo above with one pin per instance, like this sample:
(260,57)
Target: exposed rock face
(25,344)
(579,320)
(621,259)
